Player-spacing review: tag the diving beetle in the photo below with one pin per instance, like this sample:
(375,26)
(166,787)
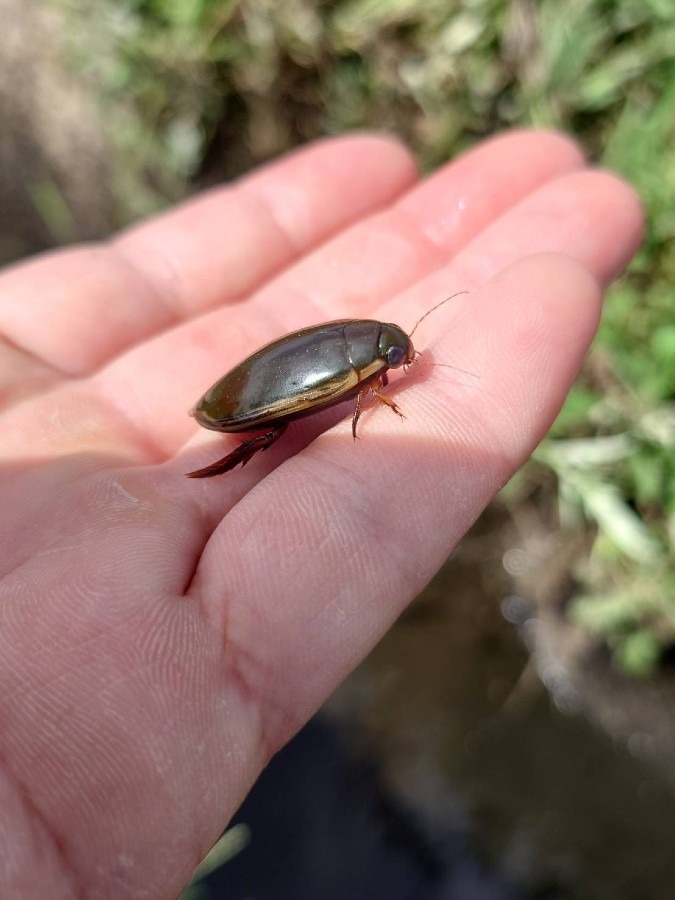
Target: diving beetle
(299,375)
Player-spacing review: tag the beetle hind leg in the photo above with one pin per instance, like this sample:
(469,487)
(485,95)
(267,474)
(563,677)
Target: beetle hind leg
(241,454)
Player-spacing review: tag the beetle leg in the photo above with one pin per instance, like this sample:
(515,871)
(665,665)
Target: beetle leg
(359,404)
(380,382)
(242,454)
(375,384)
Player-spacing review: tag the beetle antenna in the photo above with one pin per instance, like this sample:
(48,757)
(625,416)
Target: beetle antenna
(443,366)
(456,368)
(433,308)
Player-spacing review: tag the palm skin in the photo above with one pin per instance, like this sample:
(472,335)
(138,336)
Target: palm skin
(161,637)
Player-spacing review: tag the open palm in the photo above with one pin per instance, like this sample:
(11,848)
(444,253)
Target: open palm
(161,637)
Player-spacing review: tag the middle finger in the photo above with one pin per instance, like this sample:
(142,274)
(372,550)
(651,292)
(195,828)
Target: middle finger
(349,276)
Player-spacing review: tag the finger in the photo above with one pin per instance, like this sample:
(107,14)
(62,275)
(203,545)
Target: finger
(426,227)
(579,214)
(593,217)
(77,308)
(21,378)
(350,275)
(325,552)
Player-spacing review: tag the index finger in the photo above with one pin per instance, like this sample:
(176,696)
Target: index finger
(76,309)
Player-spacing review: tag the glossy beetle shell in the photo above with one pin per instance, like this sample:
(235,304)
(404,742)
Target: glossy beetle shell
(298,375)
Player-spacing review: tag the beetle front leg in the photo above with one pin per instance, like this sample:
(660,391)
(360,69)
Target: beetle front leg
(242,454)
(358,409)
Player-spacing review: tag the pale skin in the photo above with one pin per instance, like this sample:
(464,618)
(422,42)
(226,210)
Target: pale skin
(161,637)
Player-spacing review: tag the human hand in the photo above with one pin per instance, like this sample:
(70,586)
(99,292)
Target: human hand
(161,637)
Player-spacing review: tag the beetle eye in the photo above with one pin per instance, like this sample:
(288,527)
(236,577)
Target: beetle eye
(395,357)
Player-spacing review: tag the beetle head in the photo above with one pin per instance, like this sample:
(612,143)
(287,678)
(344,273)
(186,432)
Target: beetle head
(394,346)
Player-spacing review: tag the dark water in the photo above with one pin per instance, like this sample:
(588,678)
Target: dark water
(321,827)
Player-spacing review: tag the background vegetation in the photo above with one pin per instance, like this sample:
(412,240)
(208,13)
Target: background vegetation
(200,90)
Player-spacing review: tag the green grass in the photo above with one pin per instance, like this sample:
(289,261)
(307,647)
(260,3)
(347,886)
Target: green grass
(200,90)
